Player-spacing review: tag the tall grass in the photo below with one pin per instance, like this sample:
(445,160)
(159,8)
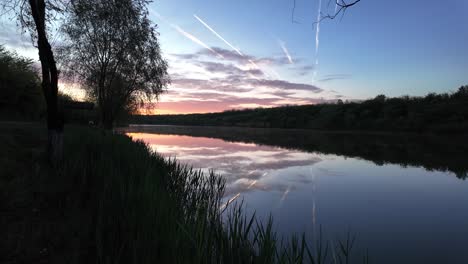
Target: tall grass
(136,207)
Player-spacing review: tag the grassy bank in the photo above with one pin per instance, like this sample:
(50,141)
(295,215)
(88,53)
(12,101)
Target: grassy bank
(116,201)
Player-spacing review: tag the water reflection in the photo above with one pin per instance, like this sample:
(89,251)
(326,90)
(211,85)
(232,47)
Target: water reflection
(405,196)
(432,152)
(245,167)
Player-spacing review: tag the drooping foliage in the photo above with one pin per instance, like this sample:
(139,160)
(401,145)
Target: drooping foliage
(112,48)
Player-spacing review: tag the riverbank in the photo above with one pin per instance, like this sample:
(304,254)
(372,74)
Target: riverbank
(434,113)
(113,200)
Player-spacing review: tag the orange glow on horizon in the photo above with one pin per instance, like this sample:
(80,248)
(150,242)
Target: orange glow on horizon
(159,111)
(203,107)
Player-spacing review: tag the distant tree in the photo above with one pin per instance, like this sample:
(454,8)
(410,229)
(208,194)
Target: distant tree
(35,16)
(462,91)
(20,87)
(380,98)
(113,50)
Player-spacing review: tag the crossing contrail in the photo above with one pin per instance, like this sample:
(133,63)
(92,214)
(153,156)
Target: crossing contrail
(186,34)
(224,40)
(216,33)
(251,61)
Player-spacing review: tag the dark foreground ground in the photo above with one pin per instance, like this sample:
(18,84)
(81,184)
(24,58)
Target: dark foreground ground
(112,200)
(31,214)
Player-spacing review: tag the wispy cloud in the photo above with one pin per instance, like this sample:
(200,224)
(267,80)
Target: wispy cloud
(237,83)
(305,70)
(228,69)
(333,77)
(233,56)
(285,85)
(231,83)
(234,92)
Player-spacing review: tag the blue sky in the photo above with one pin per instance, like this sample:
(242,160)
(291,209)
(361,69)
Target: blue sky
(396,47)
(393,47)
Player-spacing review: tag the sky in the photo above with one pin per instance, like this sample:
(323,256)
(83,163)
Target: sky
(259,53)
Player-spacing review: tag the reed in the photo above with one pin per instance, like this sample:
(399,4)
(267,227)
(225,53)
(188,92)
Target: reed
(137,207)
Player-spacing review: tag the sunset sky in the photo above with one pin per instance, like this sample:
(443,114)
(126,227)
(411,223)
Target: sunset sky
(249,53)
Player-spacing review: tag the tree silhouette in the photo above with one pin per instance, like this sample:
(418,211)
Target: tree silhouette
(20,87)
(35,16)
(112,47)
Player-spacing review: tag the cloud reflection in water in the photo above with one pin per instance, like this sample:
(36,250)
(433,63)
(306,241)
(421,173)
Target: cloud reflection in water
(246,167)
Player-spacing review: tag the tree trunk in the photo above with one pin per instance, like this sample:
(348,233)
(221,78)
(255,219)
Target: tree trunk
(49,85)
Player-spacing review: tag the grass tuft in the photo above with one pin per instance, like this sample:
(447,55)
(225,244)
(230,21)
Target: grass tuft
(137,207)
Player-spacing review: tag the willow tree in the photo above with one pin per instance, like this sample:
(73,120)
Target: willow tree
(113,49)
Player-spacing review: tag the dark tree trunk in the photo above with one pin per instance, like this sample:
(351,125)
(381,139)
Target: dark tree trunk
(49,84)
(107,120)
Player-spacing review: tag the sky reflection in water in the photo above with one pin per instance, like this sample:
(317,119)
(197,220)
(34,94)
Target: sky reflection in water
(422,215)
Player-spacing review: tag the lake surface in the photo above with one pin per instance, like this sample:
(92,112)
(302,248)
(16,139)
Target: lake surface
(405,197)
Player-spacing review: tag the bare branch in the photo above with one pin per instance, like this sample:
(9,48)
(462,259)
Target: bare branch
(292,13)
(341,10)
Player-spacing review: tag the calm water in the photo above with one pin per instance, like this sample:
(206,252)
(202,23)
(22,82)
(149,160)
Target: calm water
(405,197)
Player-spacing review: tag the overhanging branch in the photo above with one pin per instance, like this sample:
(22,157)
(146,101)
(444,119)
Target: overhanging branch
(341,5)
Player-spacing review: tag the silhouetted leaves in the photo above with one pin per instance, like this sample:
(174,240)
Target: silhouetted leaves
(112,47)
(19,87)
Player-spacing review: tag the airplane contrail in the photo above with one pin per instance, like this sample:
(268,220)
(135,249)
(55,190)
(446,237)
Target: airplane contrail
(317,37)
(224,40)
(216,33)
(285,194)
(275,73)
(253,183)
(314,214)
(222,207)
(286,52)
(186,34)
(232,46)
(195,39)
(254,64)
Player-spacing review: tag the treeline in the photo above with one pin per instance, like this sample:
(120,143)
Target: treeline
(431,113)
